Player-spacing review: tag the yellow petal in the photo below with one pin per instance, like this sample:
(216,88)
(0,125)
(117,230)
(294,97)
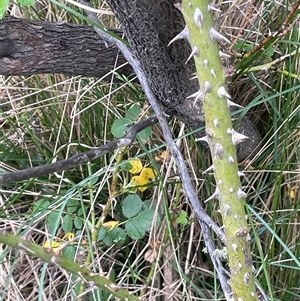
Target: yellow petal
(68,236)
(111,224)
(148,174)
(51,245)
(139,182)
(163,156)
(136,165)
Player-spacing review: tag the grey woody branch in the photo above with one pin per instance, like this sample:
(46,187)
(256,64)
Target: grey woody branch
(78,159)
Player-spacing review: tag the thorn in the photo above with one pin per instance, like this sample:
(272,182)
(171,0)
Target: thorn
(198,96)
(194,76)
(231,190)
(216,123)
(202,139)
(211,7)
(236,137)
(211,168)
(178,6)
(247,278)
(234,247)
(230,160)
(217,195)
(227,210)
(219,150)
(241,194)
(216,36)
(184,34)
(207,87)
(223,55)
(198,17)
(241,174)
(195,52)
(205,63)
(213,73)
(233,104)
(221,92)
(208,133)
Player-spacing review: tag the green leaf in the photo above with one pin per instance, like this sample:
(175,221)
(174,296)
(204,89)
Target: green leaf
(69,252)
(3,7)
(67,223)
(134,229)
(145,219)
(145,134)
(147,204)
(118,235)
(72,205)
(120,126)
(26,2)
(78,222)
(131,205)
(40,206)
(107,240)
(133,112)
(52,219)
(102,233)
(181,219)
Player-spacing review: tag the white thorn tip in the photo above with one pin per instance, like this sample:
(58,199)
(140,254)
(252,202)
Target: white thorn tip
(198,17)
(216,36)
(217,195)
(241,194)
(227,210)
(219,150)
(221,92)
(233,104)
(231,190)
(194,76)
(216,123)
(230,160)
(207,87)
(195,52)
(241,174)
(224,55)
(197,96)
(202,139)
(184,34)
(205,63)
(213,73)
(236,137)
(211,168)
(234,247)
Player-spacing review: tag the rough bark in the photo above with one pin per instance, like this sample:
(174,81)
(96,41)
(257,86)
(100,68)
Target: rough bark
(33,47)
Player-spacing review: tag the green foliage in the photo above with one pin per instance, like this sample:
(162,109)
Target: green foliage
(4,5)
(138,222)
(131,205)
(182,218)
(121,125)
(49,117)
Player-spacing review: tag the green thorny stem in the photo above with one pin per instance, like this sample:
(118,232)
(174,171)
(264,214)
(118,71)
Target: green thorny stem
(222,140)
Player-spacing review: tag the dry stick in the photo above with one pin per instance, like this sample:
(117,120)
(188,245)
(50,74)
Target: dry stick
(76,160)
(204,219)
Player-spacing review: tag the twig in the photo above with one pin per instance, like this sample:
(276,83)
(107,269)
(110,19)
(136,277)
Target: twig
(204,219)
(81,158)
